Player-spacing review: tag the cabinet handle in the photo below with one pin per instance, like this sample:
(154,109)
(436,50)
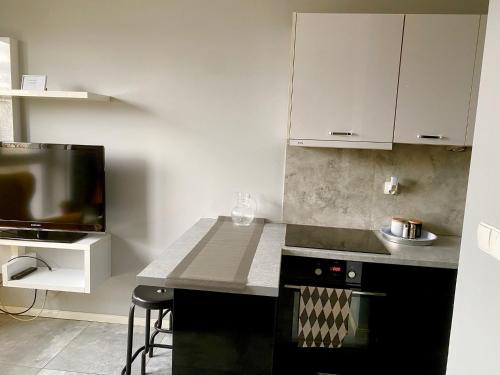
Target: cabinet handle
(354,292)
(424,136)
(347,134)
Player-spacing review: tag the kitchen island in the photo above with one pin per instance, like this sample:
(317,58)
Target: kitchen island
(222,330)
(233,331)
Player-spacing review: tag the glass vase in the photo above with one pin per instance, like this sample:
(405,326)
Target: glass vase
(243,212)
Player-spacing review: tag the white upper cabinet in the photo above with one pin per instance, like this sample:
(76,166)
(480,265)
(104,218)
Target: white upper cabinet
(345,79)
(436,77)
(475,83)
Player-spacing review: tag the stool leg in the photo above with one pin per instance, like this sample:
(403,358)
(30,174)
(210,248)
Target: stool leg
(153,336)
(130,337)
(146,342)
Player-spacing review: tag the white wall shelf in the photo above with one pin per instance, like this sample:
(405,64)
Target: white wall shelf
(72,95)
(78,267)
(60,279)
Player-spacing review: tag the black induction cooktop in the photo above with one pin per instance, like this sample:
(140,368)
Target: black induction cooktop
(340,239)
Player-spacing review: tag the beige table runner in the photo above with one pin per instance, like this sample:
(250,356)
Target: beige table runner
(222,258)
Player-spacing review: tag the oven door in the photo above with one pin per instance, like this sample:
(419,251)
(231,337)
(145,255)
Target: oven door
(360,323)
(358,351)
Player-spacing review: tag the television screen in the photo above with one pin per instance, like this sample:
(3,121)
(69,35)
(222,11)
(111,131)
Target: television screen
(54,187)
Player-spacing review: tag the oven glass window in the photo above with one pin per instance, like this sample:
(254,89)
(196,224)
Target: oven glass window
(360,330)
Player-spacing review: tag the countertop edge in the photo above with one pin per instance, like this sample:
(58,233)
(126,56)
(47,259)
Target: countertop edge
(311,253)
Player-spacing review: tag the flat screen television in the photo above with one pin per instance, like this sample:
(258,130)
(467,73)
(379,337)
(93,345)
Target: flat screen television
(51,192)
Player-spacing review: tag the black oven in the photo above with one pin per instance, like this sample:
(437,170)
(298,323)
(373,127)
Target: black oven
(393,326)
(363,326)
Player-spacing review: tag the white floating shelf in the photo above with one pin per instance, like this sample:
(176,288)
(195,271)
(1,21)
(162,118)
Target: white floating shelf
(62,279)
(93,252)
(73,95)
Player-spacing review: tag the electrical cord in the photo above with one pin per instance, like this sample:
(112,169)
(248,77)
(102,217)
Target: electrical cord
(29,256)
(13,314)
(22,312)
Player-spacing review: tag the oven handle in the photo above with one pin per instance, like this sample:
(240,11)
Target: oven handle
(354,292)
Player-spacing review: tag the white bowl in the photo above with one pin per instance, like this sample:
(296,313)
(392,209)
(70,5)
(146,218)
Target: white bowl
(426,239)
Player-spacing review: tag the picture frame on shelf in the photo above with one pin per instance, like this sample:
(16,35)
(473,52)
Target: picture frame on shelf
(34,82)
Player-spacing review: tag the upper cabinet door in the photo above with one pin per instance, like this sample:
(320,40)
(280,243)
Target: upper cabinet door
(437,65)
(345,78)
(475,83)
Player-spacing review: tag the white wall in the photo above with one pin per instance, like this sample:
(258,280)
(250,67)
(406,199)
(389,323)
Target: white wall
(475,339)
(200,111)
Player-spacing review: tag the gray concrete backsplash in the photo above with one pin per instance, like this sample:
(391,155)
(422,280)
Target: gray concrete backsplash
(344,187)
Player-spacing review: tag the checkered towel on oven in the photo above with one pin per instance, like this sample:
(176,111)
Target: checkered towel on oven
(323,316)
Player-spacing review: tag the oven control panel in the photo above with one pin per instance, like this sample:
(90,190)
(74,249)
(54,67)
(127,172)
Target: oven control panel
(327,272)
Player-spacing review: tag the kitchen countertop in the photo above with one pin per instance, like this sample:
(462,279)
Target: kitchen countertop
(444,253)
(263,277)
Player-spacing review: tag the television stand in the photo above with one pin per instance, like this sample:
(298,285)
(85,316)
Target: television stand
(42,235)
(78,267)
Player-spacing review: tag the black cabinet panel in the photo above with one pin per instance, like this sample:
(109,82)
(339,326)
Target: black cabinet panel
(223,333)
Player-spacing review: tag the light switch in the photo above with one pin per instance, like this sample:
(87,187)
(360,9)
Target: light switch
(488,239)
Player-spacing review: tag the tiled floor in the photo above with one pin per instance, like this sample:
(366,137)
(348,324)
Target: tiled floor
(69,347)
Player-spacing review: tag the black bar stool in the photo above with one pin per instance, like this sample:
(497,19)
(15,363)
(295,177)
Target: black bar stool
(149,298)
